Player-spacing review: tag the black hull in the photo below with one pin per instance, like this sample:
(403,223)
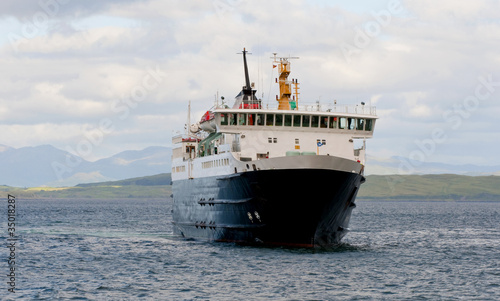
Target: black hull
(296,207)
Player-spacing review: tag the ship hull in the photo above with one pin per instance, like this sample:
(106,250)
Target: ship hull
(295,207)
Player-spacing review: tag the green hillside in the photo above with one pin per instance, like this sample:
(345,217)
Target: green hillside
(156,180)
(394,187)
(444,187)
(157,186)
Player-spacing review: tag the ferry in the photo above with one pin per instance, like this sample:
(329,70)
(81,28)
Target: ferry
(286,174)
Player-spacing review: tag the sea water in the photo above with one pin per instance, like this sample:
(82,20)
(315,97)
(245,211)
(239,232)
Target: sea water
(125,249)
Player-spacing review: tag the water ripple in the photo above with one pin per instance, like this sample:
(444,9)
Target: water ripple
(125,250)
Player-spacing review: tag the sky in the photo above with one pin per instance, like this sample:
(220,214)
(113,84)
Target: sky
(98,77)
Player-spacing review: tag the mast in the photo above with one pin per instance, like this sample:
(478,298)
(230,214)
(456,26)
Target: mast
(247,89)
(296,88)
(246,99)
(188,119)
(285,85)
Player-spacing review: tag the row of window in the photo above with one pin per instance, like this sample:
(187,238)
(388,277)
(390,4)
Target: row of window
(179,169)
(215,163)
(313,121)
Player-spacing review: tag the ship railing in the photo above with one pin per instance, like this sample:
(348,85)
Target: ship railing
(328,107)
(338,108)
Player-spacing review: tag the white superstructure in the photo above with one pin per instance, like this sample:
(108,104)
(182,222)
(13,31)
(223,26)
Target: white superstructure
(248,137)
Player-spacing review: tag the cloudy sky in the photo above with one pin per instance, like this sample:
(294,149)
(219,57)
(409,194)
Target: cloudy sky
(102,76)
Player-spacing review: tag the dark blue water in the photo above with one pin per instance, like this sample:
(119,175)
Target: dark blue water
(115,250)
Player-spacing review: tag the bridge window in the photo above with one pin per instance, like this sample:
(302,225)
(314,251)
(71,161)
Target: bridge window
(332,122)
(361,124)
(242,119)
(314,121)
(269,119)
(351,123)
(260,119)
(369,125)
(223,119)
(296,120)
(323,122)
(279,120)
(306,120)
(288,120)
(232,119)
(342,123)
(251,119)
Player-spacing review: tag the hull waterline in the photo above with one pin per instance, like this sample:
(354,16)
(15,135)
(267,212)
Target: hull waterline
(297,207)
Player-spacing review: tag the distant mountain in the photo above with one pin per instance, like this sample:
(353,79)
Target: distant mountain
(47,165)
(31,166)
(4,148)
(132,164)
(163,179)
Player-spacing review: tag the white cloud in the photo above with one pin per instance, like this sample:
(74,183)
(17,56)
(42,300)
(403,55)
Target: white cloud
(20,135)
(424,62)
(449,10)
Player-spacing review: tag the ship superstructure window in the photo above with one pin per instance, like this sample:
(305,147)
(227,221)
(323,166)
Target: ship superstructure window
(321,142)
(260,119)
(314,121)
(306,120)
(275,140)
(361,124)
(179,168)
(232,118)
(251,119)
(351,123)
(242,119)
(296,141)
(332,123)
(270,140)
(342,123)
(323,122)
(211,164)
(296,120)
(369,125)
(270,119)
(224,119)
(262,156)
(279,120)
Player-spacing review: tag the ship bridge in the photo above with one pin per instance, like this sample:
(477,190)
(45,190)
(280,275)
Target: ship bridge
(311,129)
(289,127)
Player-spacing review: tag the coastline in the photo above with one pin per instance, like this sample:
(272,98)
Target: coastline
(430,188)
